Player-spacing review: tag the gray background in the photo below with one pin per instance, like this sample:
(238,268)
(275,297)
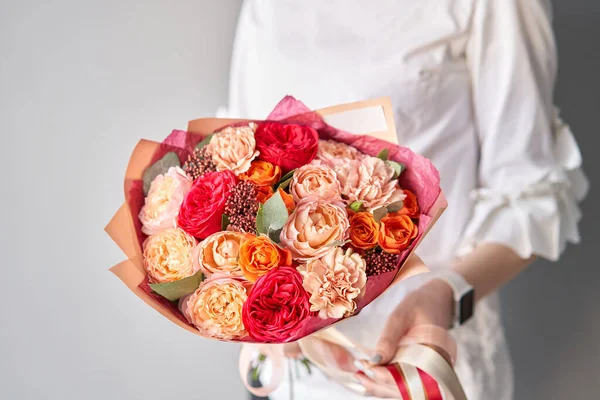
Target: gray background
(80,83)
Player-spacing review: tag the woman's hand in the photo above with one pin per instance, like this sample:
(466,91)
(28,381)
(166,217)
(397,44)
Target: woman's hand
(431,304)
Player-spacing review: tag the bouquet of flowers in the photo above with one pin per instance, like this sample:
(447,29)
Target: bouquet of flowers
(269,231)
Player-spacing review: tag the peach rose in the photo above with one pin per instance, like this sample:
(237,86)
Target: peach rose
(334,153)
(363,231)
(164,199)
(314,225)
(411,206)
(315,180)
(396,233)
(262,173)
(263,193)
(219,252)
(287,199)
(335,281)
(368,181)
(258,256)
(215,308)
(233,149)
(168,255)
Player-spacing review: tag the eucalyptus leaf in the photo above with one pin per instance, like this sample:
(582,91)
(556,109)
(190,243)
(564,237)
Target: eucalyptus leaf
(379,213)
(224,222)
(284,182)
(271,217)
(356,206)
(383,154)
(395,206)
(175,290)
(204,141)
(171,159)
(398,168)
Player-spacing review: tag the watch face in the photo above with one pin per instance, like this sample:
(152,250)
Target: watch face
(467,303)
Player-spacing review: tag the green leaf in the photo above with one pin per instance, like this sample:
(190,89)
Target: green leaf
(224,222)
(306,362)
(175,290)
(356,206)
(379,213)
(271,217)
(395,206)
(383,154)
(285,180)
(398,168)
(204,141)
(171,159)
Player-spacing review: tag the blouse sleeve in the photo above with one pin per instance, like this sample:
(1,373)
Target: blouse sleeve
(530,181)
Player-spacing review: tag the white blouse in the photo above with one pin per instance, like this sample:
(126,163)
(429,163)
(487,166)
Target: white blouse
(472,86)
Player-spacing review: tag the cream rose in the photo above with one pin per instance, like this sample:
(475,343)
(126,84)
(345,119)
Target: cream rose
(234,149)
(368,181)
(335,281)
(168,255)
(164,199)
(313,226)
(219,253)
(315,180)
(215,308)
(334,153)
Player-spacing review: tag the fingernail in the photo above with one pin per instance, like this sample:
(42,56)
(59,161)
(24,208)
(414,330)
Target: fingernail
(370,373)
(376,359)
(358,365)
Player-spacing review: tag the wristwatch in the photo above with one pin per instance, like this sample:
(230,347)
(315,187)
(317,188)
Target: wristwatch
(464,296)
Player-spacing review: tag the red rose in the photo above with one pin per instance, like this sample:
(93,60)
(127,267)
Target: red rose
(201,211)
(287,145)
(276,306)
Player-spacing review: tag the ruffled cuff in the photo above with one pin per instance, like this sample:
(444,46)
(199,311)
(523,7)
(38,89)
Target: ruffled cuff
(539,219)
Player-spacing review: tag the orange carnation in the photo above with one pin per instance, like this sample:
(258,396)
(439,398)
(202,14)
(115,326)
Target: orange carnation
(262,173)
(396,233)
(258,256)
(287,199)
(363,230)
(411,206)
(263,193)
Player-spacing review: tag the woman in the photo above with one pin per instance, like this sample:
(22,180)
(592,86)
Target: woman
(472,84)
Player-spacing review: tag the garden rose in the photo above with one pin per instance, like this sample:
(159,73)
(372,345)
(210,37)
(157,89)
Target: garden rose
(396,233)
(219,252)
(368,181)
(313,226)
(276,306)
(364,231)
(215,308)
(233,148)
(258,256)
(287,145)
(203,206)
(262,173)
(334,281)
(263,193)
(334,153)
(164,199)
(167,255)
(315,180)
(411,206)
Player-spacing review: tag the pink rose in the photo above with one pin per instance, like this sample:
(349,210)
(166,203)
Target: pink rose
(335,281)
(167,255)
(233,149)
(315,180)
(313,226)
(164,199)
(334,153)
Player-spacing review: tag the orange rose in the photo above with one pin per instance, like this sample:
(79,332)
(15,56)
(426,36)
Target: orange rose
(363,230)
(396,232)
(287,199)
(258,256)
(262,173)
(411,207)
(263,193)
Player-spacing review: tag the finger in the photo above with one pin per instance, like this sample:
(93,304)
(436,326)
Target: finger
(381,375)
(395,327)
(377,390)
